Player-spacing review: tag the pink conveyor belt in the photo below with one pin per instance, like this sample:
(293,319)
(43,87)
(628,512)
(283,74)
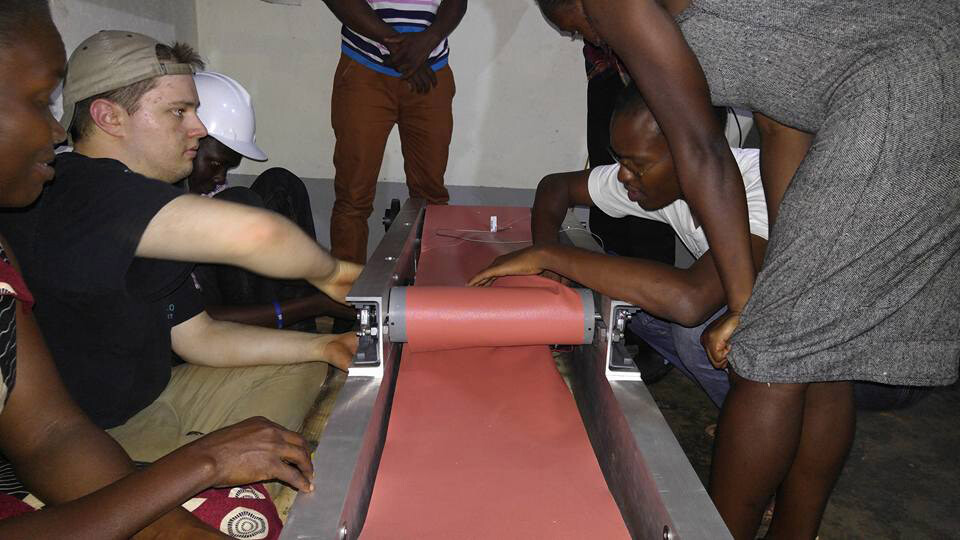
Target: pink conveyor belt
(486,442)
(516,310)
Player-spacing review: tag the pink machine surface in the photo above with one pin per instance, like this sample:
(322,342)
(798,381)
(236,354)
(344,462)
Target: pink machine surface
(455,423)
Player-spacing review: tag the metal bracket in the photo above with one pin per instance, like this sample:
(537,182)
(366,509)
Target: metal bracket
(369,334)
(390,214)
(614,316)
(619,365)
(393,263)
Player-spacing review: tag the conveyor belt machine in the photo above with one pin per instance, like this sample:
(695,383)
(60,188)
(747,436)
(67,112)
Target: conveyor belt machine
(658,493)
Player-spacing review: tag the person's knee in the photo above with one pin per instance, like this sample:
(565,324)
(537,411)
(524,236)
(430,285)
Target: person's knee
(284,394)
(692,354)
(242,195)
(305,384)
(696,362)
(353,207)
(655,332)
(687,340)
(299,379)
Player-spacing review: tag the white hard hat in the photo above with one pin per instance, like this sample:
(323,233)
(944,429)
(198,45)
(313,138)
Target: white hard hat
(226,111)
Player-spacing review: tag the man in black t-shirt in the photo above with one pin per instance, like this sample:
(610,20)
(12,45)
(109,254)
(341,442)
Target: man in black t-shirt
(107,250)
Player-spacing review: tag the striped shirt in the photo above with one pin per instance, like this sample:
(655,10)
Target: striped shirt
(403,16)
(12,288)
(8,347)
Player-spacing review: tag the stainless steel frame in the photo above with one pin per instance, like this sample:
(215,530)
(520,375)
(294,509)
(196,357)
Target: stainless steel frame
(348,454)
(656,488)
(658,492)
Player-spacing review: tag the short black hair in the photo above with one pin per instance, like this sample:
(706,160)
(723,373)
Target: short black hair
(549,6)
(16,16)
(629,100)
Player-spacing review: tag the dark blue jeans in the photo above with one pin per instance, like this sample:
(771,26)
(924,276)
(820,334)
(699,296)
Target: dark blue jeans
(681,347)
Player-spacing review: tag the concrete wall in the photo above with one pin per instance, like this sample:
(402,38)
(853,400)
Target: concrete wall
(321,200)
(519,111)
(320,191)
(165,20)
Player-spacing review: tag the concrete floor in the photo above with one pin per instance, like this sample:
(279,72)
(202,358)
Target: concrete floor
(902,479)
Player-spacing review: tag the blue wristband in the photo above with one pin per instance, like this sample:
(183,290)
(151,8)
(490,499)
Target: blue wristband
(279,312)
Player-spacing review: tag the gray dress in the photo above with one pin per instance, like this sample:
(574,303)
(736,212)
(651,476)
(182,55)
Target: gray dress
(862,274)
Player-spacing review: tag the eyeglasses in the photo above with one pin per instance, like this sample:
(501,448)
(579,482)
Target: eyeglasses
(639,174)
(616,157)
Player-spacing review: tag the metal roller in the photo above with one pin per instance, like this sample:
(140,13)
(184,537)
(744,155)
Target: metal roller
(398,329)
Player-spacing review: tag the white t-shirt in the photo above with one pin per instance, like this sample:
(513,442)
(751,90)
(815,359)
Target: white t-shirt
(609,195)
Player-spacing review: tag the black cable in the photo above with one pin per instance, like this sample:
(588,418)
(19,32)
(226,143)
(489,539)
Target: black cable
(739,130)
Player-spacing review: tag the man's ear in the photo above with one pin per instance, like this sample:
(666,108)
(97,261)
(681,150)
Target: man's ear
(108,116)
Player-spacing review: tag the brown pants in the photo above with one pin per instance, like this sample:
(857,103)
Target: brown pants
(200,399)
(365,106)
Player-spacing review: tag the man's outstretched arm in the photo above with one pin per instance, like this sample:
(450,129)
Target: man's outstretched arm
(205,341)
(196,229)
(685,296)
(294,310)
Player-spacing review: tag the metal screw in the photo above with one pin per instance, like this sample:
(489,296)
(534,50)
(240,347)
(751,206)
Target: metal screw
(389,258)
(667,535)
(343,532)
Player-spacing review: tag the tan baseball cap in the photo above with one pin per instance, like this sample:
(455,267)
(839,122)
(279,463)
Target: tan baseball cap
(112,59)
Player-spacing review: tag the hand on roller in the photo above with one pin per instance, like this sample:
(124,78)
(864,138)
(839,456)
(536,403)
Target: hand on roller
(525,262)
(337,283)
